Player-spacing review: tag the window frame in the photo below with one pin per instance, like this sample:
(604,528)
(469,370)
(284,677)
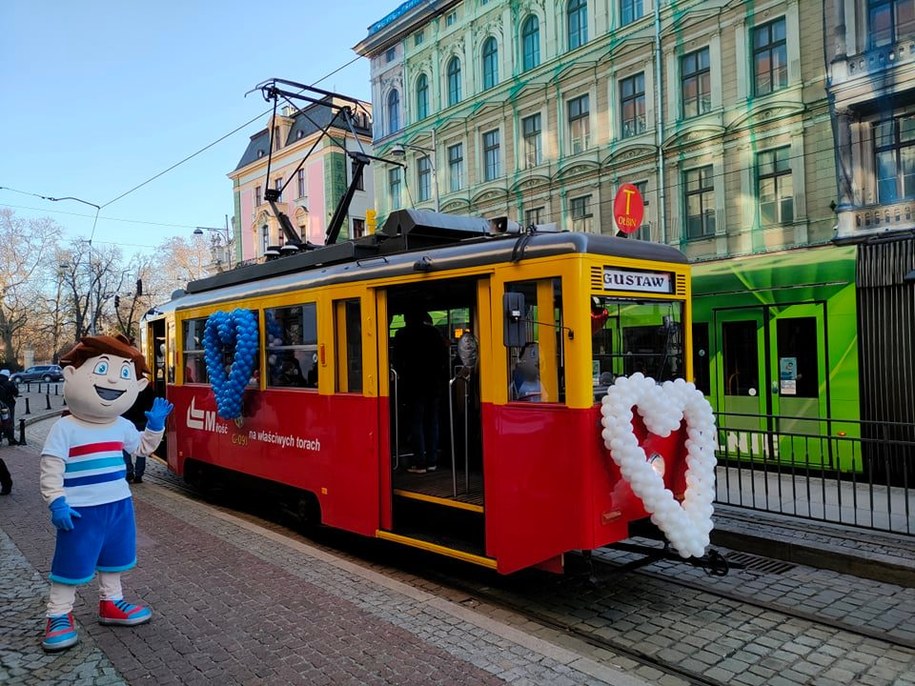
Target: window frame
(581,214)
(422,97)
(453,70)
(456,162)
(530,42)
(308,344)
(630,6)
(423,178)
(392,110)
(896,148)
(490,58)
(580,120)
(577,34)
(696,74)
(491,144)
(778,177)
(532,140)
(636,99)
(706,195)
(300,182)
(395,184)
(772,47)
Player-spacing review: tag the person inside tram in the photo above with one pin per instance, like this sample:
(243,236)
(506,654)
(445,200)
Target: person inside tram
(421,357)
(289,373)
(526,385)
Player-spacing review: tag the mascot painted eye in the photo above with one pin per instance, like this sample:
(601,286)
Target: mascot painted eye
(125,372)
(101,368)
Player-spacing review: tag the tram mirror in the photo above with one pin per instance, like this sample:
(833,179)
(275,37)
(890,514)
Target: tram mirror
(468,350)
(515,331)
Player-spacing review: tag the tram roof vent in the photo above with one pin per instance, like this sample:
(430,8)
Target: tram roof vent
(425,227)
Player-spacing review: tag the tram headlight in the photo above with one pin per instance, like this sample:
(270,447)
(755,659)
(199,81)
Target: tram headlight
(657,464)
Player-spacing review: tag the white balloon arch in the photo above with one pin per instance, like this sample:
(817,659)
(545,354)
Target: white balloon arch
(662,408)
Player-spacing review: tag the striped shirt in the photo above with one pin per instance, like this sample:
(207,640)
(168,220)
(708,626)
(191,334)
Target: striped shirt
(94,462)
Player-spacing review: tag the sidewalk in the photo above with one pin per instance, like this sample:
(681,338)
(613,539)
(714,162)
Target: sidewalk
(235,603)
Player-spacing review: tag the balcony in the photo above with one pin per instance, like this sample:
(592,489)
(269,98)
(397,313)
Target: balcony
(857,221)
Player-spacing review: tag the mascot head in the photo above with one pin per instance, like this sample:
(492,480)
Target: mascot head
(102,377)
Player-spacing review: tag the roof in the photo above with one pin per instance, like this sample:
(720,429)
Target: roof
(308,121)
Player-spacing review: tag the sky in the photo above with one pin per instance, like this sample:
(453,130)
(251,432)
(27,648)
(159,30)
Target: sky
(97,97)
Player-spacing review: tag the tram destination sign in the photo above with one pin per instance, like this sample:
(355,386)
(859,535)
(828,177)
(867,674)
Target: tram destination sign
(645,282)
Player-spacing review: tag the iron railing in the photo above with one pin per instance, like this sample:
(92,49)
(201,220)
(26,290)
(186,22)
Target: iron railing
(849,472)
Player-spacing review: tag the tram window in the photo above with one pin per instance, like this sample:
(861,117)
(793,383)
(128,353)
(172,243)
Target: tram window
(195,368)
(740,353)
(292,346)
(629,336)
(701,362)
(798,366)
(536,369)
(348,332)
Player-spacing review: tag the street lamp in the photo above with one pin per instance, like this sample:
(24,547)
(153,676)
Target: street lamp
(400,150)
(222,234)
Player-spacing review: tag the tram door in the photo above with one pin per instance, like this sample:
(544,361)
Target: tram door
(155,353)
(432,333)
(772,381)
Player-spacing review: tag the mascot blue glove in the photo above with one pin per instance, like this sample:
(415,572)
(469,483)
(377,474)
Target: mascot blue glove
(62,514)
(155,418)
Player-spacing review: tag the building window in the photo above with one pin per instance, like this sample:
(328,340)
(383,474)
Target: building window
(451,19)
(424,178)
(358,228)
(632,105)
(456,167)
(418,38)
(490,63)
(890,21)
(258,196)
(579,124)
(770,57)
(390,55)
(581,213)
(533,216)
(696,83)
(276,138)
(278,185)
(265,238)
(454,81)
(300,182)
(492,169)
(422,97)
(356,173)
(530,41)
(577,16)
(700,202)
(394,186)
(630,10)
(775,186)
(533,136)
(643,233)
(393,111)
(894,144)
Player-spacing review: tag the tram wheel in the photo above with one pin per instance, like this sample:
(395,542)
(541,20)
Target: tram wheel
(307,511)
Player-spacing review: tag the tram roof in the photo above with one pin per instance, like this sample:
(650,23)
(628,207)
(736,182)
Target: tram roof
(411,241)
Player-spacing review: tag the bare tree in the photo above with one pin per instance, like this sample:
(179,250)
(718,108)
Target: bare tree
(28,244)
(177,261)
(132,300)
(91,276)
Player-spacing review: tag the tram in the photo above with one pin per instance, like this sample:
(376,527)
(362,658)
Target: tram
(523,478)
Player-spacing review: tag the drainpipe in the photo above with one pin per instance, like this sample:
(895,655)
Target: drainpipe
(659,122)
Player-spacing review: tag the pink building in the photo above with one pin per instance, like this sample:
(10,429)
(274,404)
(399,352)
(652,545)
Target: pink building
(311,190)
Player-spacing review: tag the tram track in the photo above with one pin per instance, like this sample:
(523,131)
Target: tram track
(780,608)
(529,598)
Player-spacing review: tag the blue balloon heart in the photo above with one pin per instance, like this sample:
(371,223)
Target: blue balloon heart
(235,333)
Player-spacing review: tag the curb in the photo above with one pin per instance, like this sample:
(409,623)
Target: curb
(730,532)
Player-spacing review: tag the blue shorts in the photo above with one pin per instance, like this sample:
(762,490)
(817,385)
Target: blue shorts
(103,538)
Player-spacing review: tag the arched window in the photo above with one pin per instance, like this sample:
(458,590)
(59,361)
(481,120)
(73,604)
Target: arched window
(577,13)
(530,40)
(422,97)
(393,111)
(454,81)
(490,63)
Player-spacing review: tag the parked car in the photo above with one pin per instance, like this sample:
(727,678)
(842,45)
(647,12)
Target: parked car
(42,372)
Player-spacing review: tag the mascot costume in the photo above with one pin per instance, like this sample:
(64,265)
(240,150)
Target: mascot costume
(83,482)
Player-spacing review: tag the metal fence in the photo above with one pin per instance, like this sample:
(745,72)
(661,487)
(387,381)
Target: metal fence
(849,472)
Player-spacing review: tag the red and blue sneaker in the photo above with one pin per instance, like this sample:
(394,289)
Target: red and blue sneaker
(123,613)
(60,633)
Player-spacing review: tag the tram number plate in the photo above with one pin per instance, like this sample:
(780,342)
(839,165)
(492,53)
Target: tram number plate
(625,280)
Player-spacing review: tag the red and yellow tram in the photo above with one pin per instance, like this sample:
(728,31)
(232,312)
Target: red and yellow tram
(523,477)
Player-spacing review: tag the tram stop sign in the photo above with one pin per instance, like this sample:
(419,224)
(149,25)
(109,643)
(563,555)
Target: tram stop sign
(628,208)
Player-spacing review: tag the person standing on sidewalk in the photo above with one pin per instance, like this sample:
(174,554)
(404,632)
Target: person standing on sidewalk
(82,480)
(8,394)
(136,415)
